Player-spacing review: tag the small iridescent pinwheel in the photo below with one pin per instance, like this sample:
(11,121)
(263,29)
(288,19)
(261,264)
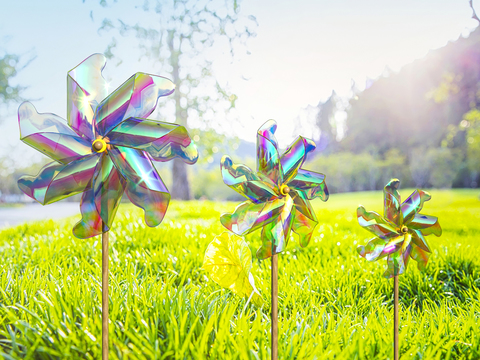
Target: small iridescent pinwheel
(278,193)
(105,147)
(400,234)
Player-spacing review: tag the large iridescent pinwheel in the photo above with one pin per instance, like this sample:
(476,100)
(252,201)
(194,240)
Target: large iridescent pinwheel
(400,234)
(278,193)
(105,148)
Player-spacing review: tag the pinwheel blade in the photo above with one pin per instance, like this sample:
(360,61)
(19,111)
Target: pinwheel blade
(420,256)
(268,160)
(312,183)
(426,224)
(50,134)
(163,141)
(56,182)
(136,98)
(395,265)
(374,223)
(419,240)
(100,200)
(414,204)
(392,203)
(276,233)
(294,157)
(246,182)
(249,217)
(373,250)
(305,220)
(86,88)
(144,187)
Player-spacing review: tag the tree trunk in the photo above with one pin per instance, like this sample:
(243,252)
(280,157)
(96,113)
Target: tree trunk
(180,185)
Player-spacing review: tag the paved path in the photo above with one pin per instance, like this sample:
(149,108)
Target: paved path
(10,216)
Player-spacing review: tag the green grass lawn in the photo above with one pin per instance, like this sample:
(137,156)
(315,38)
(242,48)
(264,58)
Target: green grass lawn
(333,304)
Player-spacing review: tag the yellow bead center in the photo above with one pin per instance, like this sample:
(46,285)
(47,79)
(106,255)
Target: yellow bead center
(99,145)
(404,229)
(284,190)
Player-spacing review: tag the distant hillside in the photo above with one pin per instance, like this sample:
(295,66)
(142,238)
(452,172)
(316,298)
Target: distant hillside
(415,106)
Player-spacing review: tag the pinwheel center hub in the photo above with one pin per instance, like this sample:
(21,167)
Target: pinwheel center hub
(100,145)
(284,190)
(404,229)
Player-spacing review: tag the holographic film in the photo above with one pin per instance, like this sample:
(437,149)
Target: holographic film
(105,147)
(278,193)
(399,235)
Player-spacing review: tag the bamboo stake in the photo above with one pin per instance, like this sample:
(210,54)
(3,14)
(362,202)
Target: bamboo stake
(274,307)
(105,296)
(395,317)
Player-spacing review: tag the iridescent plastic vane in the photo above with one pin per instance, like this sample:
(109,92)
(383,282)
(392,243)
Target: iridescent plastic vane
(400,234)
(278,193)
(105,147)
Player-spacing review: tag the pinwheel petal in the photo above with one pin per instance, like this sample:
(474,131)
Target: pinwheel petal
(373,222)
(100,200)
(392,202)
(244,181)
(305,220)
(373,250)
(312,183)
(426,224)
(249,216)
(86,88)
(395,244)
(56,181)
(163,141)
(406,254)
(420,256)
(136,98)
(378,248)
(275,234)
(419,240)
(294,157)
(144,186)
(50,134)
(414,204)
(395,265)
(268,160)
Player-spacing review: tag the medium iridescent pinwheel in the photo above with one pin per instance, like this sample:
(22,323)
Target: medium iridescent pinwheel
(105,148)
(278,193)
(400,234)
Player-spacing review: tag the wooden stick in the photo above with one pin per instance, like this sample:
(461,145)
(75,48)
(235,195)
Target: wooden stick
(274,307)
(105,296)
(395,317)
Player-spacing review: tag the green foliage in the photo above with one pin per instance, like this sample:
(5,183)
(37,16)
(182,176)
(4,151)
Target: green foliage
(467,136)
(9,174)
(346,171)
(415,106)
(471,126)
(332,302)
(207,183)
(177,35)
(444,164)
(8,70)
(428,104)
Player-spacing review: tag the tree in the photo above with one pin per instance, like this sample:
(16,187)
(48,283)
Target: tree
(184,32)
(325,121)
(8,70)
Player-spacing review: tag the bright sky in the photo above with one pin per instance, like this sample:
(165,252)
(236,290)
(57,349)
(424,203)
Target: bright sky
(303,51)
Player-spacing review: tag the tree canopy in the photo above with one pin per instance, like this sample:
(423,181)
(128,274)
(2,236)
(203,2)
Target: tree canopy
(179,36)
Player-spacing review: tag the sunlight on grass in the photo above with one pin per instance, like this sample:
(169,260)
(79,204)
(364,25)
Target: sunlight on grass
(332,303)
